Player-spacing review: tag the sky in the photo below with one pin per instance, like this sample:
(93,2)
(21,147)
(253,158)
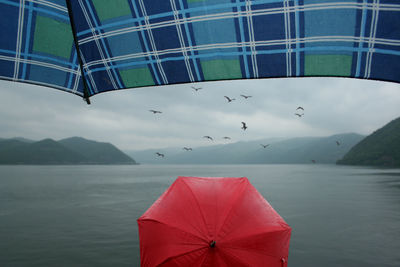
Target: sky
(331,106)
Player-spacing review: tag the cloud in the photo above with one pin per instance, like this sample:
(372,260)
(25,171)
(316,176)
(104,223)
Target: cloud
(331,106)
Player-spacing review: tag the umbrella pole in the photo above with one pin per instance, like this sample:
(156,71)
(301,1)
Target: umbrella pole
(71,20)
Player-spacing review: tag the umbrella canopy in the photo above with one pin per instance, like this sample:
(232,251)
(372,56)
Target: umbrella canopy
(91,46)
(212,222)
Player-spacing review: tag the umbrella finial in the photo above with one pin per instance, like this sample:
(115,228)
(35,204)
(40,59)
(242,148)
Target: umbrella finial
(212,243)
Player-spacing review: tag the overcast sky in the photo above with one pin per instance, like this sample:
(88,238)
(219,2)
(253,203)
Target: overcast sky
(332,105)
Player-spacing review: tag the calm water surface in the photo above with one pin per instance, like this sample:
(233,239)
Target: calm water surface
(86,215)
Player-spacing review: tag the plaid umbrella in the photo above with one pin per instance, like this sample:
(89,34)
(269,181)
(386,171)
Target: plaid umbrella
(213,222)
(87,47)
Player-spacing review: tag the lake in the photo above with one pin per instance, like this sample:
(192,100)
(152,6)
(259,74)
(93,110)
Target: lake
(86,215)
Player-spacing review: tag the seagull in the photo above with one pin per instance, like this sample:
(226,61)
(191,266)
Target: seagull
(196,89)
(229,99)
(208,137)
(300,115)
(155,111)
(188,148)
(300,108)
(246,96)
(226,137)
(264,146)
(244,127)
(338,143)
(159,154)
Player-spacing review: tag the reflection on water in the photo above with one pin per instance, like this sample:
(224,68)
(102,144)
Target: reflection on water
(86,215)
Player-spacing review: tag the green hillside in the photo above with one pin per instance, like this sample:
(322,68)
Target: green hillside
(48,151)
(381,148)
(97,152)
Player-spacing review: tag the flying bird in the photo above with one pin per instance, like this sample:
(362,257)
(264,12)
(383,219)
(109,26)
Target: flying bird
(338,143)
(264,146)
(244,127)
(159,154)
(299,115)
(208,137)
(229,99)
(245,96)
(188,148)
(196,88)
(226,137)
(155,111)
(300,108)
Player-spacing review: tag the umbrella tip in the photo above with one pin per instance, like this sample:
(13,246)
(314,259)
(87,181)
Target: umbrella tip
(86,98)
(212,244)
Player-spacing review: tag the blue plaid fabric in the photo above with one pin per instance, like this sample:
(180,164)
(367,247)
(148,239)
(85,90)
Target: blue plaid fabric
(135,43)
(37,46)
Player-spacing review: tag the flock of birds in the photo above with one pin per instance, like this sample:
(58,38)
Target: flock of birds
(299,113)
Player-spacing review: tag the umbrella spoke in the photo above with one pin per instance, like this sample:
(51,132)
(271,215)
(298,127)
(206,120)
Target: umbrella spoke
(198,206)
(249,231)
(232,259)
(222,233)
(185,259)
(253,257)
(200,238)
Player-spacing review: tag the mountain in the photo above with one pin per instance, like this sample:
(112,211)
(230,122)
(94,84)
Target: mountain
(22,139)
(97,152)
(381,148)
(294,150)
(48,151)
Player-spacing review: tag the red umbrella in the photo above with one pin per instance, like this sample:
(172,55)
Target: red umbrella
(212,222)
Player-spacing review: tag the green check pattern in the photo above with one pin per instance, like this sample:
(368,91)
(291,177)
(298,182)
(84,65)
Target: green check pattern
(87,47)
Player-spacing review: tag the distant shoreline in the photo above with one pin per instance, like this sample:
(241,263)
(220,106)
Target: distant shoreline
(65,164)
(69,151)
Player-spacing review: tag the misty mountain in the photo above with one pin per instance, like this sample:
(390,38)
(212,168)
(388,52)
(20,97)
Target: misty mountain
(381,148)
(290,151)
(97,152)
(46,151)
(22,139)
(68,151)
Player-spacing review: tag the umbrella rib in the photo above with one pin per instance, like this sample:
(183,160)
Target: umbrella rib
(259,251)
(86,94)
(179,255)
(204,259)
(232,206)
(258,234)
(264,254)
(170,226)
(198,204)
(233,256)
(252,249)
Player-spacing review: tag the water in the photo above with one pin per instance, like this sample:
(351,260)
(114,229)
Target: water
(86,215)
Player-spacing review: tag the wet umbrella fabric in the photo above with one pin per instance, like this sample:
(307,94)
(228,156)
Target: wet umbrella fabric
(212,222)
